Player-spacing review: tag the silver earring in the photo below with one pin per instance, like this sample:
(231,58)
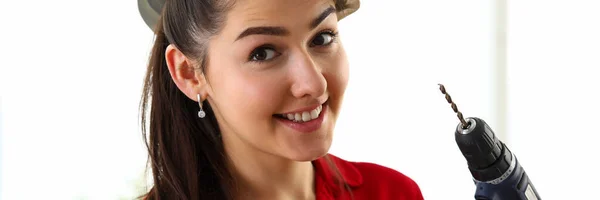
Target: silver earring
(201,113)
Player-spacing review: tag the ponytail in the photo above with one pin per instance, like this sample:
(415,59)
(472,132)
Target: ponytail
(185,154)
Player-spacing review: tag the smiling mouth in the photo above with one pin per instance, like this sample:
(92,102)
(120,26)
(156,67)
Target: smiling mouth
(302,117)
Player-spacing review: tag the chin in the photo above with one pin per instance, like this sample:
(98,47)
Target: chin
(304,147)
(309,152)
(305,157)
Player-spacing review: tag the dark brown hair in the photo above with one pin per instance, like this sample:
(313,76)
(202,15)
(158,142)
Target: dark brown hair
(186,154)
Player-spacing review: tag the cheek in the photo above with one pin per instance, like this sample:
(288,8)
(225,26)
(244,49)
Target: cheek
(245,96)
(336,71)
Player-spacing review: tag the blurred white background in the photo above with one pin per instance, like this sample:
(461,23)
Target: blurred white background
(71,78)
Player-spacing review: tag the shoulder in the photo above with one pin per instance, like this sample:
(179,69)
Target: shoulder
(382,173)
(377,174)
(380,179)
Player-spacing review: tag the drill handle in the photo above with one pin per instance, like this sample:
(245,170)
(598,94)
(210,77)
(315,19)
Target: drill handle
(516,187)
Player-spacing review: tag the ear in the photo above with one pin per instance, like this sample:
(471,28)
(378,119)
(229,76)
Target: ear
(189,79)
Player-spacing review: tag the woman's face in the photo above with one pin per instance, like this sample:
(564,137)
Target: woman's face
(274,61)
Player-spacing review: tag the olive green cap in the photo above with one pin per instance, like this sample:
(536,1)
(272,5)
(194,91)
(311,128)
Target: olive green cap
(150,10)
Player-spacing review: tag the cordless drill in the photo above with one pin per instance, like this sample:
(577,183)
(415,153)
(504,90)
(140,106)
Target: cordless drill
(495,169)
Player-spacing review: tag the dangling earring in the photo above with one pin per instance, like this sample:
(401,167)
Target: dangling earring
(201,113)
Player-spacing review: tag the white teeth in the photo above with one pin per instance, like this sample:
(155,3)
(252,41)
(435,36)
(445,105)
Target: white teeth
(304,116)
(314,113)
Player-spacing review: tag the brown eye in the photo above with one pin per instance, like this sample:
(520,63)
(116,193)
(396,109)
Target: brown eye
(323,39)
(262,54)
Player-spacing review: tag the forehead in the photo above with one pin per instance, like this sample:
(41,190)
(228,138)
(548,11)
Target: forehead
(290,13)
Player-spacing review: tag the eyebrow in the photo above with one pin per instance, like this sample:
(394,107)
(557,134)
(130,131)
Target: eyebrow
(322,17)
(264,30)
(281,31)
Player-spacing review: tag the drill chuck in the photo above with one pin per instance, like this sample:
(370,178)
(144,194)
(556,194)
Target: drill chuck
(487,157)
(495,170)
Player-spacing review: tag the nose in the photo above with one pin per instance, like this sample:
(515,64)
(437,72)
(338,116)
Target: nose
(307,76)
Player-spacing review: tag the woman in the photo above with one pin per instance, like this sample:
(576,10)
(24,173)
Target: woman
(241,99)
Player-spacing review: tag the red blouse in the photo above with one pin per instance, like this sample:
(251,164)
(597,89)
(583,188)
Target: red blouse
(367,181)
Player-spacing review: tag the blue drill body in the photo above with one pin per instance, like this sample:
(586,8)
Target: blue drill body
(496,171)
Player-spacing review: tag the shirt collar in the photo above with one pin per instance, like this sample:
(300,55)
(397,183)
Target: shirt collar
(328,183)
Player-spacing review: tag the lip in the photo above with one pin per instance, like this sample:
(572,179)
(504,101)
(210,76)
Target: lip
(307,127)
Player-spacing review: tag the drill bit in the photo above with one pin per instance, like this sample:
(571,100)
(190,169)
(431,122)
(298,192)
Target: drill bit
(464,123)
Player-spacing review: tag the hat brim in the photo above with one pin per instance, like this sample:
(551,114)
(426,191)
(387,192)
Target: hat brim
(150,10)
(350,7)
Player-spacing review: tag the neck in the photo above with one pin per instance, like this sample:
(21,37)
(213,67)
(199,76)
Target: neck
(259,175)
